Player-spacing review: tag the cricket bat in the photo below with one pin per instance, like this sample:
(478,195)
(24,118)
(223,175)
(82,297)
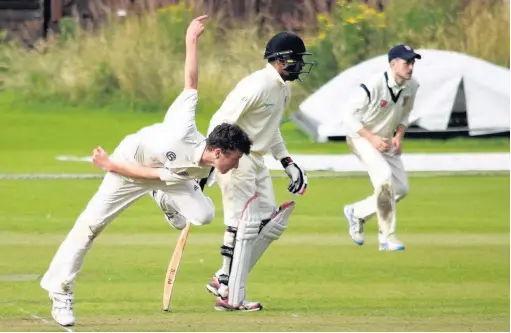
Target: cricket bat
(175,260)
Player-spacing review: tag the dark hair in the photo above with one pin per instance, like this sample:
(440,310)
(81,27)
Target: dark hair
(229,137)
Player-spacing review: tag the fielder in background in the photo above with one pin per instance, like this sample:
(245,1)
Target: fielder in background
(378,117)
(167,157)
(253,220)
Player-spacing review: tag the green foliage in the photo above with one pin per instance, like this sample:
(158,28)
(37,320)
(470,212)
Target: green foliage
(137,63)
(354,32)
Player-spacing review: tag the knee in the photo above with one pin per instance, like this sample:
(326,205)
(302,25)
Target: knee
(203,217)
(402,191)
(88,225)
(384,199)
(267,211)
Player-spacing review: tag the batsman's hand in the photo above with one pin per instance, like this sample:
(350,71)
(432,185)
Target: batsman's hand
(196,28)
(100,159)
(298,183)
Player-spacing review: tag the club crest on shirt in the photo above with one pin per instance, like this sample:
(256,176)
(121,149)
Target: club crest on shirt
(405,100)
(383,103)
(171,156)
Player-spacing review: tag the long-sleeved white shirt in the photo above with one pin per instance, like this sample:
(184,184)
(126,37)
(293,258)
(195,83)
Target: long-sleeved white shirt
(174,146)
(257,104)
(379,110)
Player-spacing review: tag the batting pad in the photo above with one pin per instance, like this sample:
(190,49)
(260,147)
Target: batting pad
(248,229)
(271,231)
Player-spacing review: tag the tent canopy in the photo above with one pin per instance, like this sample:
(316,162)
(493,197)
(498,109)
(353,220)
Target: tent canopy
(449,81)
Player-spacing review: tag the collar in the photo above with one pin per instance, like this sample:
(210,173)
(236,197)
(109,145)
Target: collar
(197,153)
(392,81)
(275,74)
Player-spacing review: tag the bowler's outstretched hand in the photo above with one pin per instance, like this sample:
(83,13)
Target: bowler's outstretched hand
(196,28)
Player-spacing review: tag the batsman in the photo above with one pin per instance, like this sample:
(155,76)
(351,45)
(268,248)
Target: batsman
(253,220)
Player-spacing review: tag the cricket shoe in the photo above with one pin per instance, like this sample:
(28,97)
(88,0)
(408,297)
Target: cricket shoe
(172,216)
(62,310)
(218,285)
(391,244)
(222,304)
(356,225)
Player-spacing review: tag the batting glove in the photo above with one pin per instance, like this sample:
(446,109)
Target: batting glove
(298,177)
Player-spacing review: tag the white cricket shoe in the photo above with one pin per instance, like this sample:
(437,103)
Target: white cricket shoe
(218,285)
(172,216)
(356,225)
(222,304)
(390,244)
(62,310)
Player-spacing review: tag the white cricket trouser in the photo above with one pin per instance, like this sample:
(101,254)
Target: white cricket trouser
(238,185)
(114,195)
(382,168)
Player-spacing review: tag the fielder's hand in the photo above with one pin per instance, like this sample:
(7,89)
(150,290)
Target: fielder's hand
(100,159)
(380,144)
(396,144)
(298,177)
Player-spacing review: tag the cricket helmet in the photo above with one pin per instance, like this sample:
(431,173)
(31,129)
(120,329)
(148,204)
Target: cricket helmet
(290,48)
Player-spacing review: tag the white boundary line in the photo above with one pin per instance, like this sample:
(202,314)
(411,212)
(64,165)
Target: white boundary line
(493,161)
(41,319)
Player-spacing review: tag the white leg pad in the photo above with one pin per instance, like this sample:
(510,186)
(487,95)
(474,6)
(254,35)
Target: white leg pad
(271,231)
(248,228)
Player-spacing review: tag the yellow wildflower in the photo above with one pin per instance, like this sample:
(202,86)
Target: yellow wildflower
(370,12)
(164,9)
(322,18)
(351,20)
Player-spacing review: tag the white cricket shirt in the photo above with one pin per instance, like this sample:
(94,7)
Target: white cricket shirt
(257,104)
(383,107)
(174,146)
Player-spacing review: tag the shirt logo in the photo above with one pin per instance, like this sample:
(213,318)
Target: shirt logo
(383,103)
(171,156)
(405,100)
(267,105)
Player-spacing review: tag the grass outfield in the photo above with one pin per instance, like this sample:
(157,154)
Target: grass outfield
(33,136)
(453,276)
